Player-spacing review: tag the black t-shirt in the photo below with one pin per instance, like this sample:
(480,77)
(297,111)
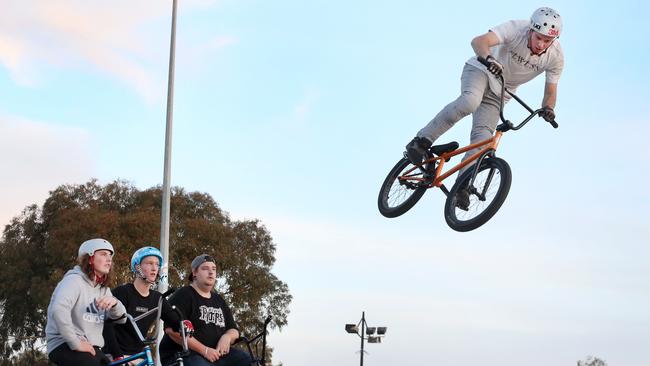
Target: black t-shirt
(211,318)
(125,340)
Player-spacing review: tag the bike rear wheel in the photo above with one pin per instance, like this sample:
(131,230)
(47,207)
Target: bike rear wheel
(487,194)
(396,195)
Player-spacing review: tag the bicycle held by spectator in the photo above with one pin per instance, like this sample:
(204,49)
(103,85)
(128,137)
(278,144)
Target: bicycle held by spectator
(254,343)
(146,356)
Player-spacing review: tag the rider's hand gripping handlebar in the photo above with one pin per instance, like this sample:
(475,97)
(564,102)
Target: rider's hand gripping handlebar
(508,124)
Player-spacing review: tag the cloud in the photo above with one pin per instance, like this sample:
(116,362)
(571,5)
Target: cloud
(106,36)
(36,158)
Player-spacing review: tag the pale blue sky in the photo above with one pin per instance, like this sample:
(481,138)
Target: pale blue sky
(294,111)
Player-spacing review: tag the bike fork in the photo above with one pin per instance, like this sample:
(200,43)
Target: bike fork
(472,189)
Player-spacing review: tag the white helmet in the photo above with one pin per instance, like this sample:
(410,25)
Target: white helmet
(546,21)
(91,246)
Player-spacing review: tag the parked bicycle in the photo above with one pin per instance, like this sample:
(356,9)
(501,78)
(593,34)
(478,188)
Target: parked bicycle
(147,356)
(488,182)
(252,345)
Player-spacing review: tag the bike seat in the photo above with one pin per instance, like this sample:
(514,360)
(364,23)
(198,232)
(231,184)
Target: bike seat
(441,149)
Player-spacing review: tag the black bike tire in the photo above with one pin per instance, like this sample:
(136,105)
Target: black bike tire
(382,201)
(500,197)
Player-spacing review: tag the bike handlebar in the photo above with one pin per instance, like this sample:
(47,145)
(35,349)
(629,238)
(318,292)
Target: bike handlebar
(181,329)
(508,124)
(168,292)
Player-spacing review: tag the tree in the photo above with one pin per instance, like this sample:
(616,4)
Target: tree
(41,244)
(27,358)
(592,361)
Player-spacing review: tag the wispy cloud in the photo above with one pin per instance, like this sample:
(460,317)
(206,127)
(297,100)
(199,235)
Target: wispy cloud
(107,37)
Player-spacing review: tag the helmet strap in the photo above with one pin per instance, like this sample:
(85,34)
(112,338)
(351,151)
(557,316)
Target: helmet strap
(140,274)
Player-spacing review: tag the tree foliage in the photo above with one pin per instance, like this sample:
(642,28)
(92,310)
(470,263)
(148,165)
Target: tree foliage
(30,357)
(41,244)
(592,361)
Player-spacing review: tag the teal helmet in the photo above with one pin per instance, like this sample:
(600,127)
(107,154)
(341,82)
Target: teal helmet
(144,252)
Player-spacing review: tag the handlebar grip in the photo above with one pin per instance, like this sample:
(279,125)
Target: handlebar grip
(168,292)
(554,124)
(483,61)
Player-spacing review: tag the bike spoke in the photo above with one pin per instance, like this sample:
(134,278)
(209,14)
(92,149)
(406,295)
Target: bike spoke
(401,190)
(403,187)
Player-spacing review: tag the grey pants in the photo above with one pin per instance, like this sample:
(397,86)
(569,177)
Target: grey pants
(475,98)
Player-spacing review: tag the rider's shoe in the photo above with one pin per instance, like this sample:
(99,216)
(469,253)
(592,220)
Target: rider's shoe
(416,149)
(462,199)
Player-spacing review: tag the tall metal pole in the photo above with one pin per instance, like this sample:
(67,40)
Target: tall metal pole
(166,191)
(363,332)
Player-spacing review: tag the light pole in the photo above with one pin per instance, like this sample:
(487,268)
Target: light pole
(166,189)
(370,334)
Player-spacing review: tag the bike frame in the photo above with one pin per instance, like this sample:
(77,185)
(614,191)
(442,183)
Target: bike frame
(146,354)
(488,146)
(261,361)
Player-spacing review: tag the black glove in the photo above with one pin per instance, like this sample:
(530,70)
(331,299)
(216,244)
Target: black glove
(494,66)
(547,113)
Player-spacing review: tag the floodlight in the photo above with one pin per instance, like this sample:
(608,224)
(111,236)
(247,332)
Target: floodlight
(370,330)
(351,328)
(374,339)
(381,330)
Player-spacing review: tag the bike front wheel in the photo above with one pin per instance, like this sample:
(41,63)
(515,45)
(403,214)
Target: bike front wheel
(487,194)
(402,189)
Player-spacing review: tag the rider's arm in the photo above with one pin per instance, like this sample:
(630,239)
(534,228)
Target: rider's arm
(550,95)
(481,44)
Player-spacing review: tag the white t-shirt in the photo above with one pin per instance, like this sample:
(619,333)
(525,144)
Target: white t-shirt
(519,64)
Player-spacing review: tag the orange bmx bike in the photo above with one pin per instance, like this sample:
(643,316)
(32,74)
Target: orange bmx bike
(488,182)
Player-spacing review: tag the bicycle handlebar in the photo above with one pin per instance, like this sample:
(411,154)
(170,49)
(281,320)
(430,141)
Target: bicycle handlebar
(181,329)
(168,292)
(508,124)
